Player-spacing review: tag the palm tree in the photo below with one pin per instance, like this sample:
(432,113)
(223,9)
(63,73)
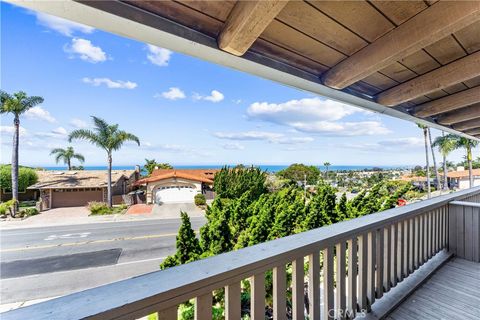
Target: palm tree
(16,104)
(425,138)
(435,168)
(107,137)
(67,155)
(445,144)
(467,144)
(326,165)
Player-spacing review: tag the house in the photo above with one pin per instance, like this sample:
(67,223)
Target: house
(78,188)
(177,185)
(460,178)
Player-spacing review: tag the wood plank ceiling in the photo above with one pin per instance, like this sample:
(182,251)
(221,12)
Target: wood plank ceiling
(420,57)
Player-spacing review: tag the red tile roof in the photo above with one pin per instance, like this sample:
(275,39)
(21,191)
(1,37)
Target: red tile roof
(202,175)
(463,173)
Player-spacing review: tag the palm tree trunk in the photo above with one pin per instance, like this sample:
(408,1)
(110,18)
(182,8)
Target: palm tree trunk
(469,160)
(69,165)
(425,136)
(109,185)
(437,184)
(16,123)
(445,182)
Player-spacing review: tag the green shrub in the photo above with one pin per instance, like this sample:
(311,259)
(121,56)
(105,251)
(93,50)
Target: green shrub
(26,177)
(99,208)
(24,204)
(29,212)
(200,200)
(5,206)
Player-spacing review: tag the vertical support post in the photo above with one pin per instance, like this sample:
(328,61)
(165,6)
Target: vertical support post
(386,258)
(352,278)
(401,249)
(232,301)
(203,307)
(379,264)
(328,298)
(340,280)
(314,286)
(257,294)
(393,273)
(168,314)
(371,268)
(279,293)
(362,271)
(297,290)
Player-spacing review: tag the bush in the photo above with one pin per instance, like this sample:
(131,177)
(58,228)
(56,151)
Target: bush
(99,208)
(26,177)
(5,206)
(200,199)
(29,212)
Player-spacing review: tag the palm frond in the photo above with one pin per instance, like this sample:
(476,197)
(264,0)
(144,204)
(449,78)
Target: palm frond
(79,157)
(88,135)
(57,150)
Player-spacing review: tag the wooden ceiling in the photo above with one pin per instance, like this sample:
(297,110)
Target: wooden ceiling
(420,57)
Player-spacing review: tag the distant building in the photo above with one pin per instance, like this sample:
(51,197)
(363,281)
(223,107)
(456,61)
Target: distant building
(178,186)
(77,188)
(459,179)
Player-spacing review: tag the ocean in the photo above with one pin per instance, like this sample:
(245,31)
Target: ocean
(268,168)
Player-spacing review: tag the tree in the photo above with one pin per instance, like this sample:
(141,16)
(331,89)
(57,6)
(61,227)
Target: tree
(187,245)
(435,168)
(66,155)
(151,165)
(326,165)
(342,210)
(445,144)
(26,177)
(232,183)
(107,137)
(298,171)
(16,104)
(425,138)
(467,144)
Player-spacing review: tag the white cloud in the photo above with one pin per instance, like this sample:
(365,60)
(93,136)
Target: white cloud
(158,56)
(112,84)
(8,130)
(389,145)
(60,25)
(215,96)
(262,136)
(78,123)
(57,133)
(86,50)
(233,146)
(40,114)
(237,101)
(315,115)
(173,93)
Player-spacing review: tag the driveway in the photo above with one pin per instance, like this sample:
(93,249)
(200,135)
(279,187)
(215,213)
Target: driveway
(56,216)
(172,210)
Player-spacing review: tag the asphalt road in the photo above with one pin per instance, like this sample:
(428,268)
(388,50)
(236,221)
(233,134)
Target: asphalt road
(53,261)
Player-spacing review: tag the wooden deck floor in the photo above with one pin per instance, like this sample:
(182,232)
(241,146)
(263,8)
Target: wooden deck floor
(453,292)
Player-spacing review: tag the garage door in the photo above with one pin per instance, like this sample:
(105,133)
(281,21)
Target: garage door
(62,198)
(172,194)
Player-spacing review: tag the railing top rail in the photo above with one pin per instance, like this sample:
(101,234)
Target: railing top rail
(158,290)
(466,204)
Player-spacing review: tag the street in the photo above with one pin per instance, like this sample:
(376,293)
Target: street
(53,261)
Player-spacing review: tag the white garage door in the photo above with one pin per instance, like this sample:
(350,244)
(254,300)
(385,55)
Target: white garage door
(171,194)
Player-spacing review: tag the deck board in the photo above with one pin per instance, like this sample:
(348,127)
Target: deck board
(453,292)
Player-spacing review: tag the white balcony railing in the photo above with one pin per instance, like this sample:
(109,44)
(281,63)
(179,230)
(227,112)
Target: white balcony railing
(354,265)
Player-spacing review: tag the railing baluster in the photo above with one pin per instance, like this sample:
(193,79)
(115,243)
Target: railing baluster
(393,273)
(379,264)
(401,249)
(297,290)
(362,271)
(445,227)
(279,293)
(430,235)
(257,293)
(435,223)
(421,220)
(233,301)
(340,278)
(386,258)
(314,286)
(426,227)
(328,298)
(371,268)
(415,242)
(411,236)
(203,307)
(406,252)
(168,314)
(352,278)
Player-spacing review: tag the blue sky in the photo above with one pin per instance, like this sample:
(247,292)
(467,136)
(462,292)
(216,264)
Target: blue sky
(184,110)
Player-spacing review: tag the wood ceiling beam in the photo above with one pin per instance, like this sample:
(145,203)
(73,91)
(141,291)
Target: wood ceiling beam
(467,125)
(246,23)
(448,103)
(429,26)
(473,132)
(455,72)
(464,114)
